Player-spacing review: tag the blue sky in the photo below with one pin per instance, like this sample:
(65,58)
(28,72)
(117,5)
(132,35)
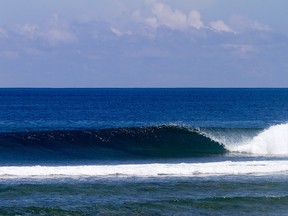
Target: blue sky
(149,43)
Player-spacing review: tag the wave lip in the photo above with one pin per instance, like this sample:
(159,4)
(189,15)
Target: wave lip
(148,170)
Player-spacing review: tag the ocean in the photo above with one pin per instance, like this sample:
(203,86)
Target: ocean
(143,151)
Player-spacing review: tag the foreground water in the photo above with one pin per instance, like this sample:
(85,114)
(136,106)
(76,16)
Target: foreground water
(143,151)
(149,196)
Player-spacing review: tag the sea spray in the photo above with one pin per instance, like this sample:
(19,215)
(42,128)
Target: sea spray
(272,141)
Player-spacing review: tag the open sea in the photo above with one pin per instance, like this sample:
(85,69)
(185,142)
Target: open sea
(143,151)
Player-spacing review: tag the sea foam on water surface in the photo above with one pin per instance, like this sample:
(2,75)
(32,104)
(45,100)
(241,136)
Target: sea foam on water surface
(148,170)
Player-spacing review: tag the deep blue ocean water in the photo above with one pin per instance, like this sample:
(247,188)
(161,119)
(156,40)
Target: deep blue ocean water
(143,151)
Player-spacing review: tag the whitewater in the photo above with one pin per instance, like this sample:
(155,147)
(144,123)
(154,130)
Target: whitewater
(270,142)
(149,170)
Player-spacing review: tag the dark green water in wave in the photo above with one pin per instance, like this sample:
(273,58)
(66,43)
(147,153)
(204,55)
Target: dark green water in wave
(168,196)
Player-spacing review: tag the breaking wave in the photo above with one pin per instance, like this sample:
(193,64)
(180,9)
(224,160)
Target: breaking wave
(270,141)
(163,141)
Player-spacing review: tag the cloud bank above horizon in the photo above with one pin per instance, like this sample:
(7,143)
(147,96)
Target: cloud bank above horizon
(141,44)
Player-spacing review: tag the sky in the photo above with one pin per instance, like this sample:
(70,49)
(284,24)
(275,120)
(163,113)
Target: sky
(143,43)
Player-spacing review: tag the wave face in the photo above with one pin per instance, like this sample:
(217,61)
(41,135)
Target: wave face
(136,142)
(141,143)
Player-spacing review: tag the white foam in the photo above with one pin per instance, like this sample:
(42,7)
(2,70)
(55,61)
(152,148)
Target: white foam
(272,141)
(148,170)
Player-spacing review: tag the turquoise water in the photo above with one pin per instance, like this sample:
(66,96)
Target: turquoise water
(143,151)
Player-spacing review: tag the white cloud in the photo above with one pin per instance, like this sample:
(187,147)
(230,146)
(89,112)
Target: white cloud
(174,19)
(158,14)
(164,15)
(220,26)
(29,30)
(194,19)
(55,32)
(260,26)
(241,24)
(58,32)
(3,33)
(55,36)
(118,32)
(152,22)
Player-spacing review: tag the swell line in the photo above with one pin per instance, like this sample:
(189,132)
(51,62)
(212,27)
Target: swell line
(143,142)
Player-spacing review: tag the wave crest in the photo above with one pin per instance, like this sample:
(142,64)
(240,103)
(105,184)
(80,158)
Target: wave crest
(163,141)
